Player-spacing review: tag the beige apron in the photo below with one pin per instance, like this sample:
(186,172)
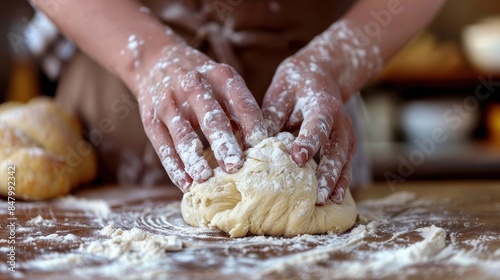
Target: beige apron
(252,36)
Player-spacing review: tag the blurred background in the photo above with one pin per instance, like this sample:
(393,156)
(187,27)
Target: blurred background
(433,113)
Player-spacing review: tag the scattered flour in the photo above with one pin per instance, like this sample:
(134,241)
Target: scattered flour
(133,245)
(99,208)
(398,198)
(40,221)
(53,237)
(126,249)
(387,245)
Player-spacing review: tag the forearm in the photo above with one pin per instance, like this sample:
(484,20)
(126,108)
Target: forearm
(370,33)
(115,33)
(390,24)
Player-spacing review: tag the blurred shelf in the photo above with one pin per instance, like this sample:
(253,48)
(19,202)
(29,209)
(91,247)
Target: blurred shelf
(428,61)
(459,77)
(457,161)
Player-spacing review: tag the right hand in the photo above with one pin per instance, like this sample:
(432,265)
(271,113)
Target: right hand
(182,90)
(305,94)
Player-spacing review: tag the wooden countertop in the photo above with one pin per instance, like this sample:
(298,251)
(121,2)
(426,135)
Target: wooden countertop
(394,237)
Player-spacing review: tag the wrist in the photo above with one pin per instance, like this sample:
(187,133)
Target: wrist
(141,54)
(347,59)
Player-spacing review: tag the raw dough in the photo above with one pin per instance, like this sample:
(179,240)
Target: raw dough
(270,195)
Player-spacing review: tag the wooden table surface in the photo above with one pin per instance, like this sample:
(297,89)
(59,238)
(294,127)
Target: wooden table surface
(382,244)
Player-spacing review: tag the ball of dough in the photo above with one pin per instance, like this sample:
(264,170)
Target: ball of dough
(270,195)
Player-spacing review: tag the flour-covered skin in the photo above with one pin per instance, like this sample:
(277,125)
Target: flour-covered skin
(182,90)
(308,91)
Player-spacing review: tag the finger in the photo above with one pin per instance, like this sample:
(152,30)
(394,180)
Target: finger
(172,163)
(345,178)
(296,117)
(214,123)
(187,143)
(164,147)
(217,127)
(335,154)
(318,110)
(277,105)
(240,103)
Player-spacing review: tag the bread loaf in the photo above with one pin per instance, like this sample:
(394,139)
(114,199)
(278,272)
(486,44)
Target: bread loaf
(45,145)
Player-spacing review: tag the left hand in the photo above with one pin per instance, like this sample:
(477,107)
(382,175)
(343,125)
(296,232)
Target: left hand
(304,93)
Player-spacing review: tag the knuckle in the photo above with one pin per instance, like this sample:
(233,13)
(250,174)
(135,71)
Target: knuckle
(318,122)
(225,70)
(289,62)
(333,102)
(162,104)
(149,118)
(213,118)
(280,86)
(283,69)
(247,104)
(182,134)
(192,80)
(323,126)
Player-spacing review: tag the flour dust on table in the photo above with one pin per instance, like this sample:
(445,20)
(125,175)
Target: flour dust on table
(146,238)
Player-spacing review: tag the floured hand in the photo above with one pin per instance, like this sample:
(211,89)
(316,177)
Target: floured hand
(183,90)
(308,91)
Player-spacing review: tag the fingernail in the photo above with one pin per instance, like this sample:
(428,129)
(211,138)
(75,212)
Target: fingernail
(233,163)
(338,197)
(303,155)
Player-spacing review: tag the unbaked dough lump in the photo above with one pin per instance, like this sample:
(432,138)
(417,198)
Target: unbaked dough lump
(270,195)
